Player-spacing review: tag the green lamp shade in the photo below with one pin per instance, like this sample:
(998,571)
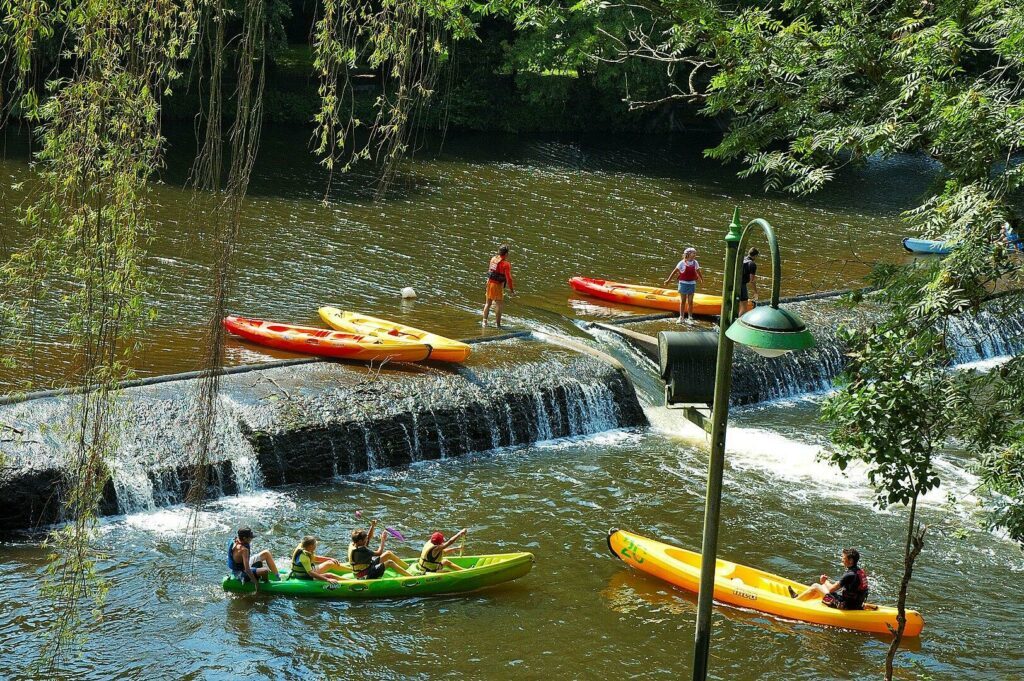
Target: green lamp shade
(771,331)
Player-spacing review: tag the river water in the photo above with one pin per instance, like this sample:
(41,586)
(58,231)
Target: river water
(616,208)
(620,209)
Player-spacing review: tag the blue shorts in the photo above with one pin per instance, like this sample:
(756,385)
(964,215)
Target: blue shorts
(687,288)
(240,574)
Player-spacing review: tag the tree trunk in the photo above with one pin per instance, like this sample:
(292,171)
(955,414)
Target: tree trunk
(915,542)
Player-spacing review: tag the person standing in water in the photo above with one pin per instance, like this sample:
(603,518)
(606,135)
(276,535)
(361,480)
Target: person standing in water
(499,275)
(749,280)
(688,273)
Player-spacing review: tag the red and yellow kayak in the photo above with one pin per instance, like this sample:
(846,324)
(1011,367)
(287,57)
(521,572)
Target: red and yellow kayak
(750,588)
(324,342)
(444,349)
(645,296)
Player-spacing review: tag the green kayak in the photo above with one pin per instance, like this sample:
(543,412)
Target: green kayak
(478,572)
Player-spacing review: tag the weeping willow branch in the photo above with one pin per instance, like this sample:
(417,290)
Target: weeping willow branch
(99,143)
(405,41)
(244,139)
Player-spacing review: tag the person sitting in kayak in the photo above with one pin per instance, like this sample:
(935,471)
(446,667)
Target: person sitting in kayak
(499,275)
(307,565)
(849,593)
(367,564)
(688,273)
(432,556)
(246,567)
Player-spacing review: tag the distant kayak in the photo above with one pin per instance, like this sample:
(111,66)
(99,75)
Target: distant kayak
(645,296)
(479,572)
(324,342)
(927,246)
(443,349)
(747,587)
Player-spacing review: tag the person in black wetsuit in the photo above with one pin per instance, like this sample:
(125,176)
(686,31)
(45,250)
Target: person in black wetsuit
(749,280)
(849,593)
(246,567)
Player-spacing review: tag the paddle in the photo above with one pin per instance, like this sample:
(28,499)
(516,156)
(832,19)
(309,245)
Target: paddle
(390,530)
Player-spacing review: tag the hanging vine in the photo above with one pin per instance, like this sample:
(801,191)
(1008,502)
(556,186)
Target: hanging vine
(106,67)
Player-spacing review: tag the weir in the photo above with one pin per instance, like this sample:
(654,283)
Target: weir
(997,330)
(312,422)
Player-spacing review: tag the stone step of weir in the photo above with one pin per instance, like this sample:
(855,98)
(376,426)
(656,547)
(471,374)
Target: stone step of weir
(995,330)
(309,422)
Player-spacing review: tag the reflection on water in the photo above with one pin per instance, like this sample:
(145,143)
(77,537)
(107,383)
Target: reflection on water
(618,208)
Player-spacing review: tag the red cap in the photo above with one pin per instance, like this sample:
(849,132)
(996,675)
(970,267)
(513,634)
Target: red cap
(437,538)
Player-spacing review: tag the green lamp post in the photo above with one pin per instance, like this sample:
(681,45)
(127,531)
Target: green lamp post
(769,331)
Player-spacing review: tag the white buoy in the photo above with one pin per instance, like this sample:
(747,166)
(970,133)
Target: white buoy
(408,293)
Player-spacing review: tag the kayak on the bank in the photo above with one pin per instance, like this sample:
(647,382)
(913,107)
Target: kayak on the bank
(927,246)
(444,349)
(324,342)
(747,587)
(478,572)
(645,296)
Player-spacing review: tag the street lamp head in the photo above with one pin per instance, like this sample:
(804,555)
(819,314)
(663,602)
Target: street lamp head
(771,331)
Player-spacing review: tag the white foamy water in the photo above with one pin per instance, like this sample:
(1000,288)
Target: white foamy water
(800,466)
(221,515)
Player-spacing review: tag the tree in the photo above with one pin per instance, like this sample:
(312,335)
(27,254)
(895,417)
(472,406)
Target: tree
(891,414)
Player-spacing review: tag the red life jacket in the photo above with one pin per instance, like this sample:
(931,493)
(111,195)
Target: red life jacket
(689,271)
(493,274)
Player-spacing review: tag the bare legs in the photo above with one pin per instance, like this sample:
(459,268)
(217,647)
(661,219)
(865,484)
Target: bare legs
(814,591)
(685,306)
(499,306)
(394,562)
(267,558)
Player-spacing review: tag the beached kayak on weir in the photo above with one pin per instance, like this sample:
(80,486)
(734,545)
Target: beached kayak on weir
(927,246)
(443,349)
(747,587)
(478,572)
(324,342)
(645,296)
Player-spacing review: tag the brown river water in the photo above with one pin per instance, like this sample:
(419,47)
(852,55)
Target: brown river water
(618,208)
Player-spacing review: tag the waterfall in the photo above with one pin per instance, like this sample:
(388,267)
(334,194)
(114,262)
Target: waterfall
(307,423)
(996,330)
(156,445)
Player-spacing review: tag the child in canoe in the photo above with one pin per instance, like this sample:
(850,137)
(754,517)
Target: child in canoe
(369,564)
(307,565)
(688,273)
(432,556)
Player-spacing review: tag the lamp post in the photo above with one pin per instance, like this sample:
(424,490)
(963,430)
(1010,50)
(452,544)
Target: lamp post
(769,331)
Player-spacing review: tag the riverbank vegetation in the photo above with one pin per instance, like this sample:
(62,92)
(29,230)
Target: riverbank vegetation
(801,89)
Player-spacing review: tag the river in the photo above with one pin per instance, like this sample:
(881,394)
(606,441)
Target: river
(620,209)
(616,208)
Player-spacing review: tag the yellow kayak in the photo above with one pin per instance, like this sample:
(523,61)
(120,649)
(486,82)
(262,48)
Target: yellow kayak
(747,587)
(443,349)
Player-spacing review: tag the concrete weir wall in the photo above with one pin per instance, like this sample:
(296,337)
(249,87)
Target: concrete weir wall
(310,423)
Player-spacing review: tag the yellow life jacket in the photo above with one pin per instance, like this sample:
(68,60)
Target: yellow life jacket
(431,557)
(299,570)
(359,557)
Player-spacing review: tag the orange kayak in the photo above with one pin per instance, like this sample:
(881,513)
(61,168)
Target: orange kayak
(324,342)
(747,587)
(645,296)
